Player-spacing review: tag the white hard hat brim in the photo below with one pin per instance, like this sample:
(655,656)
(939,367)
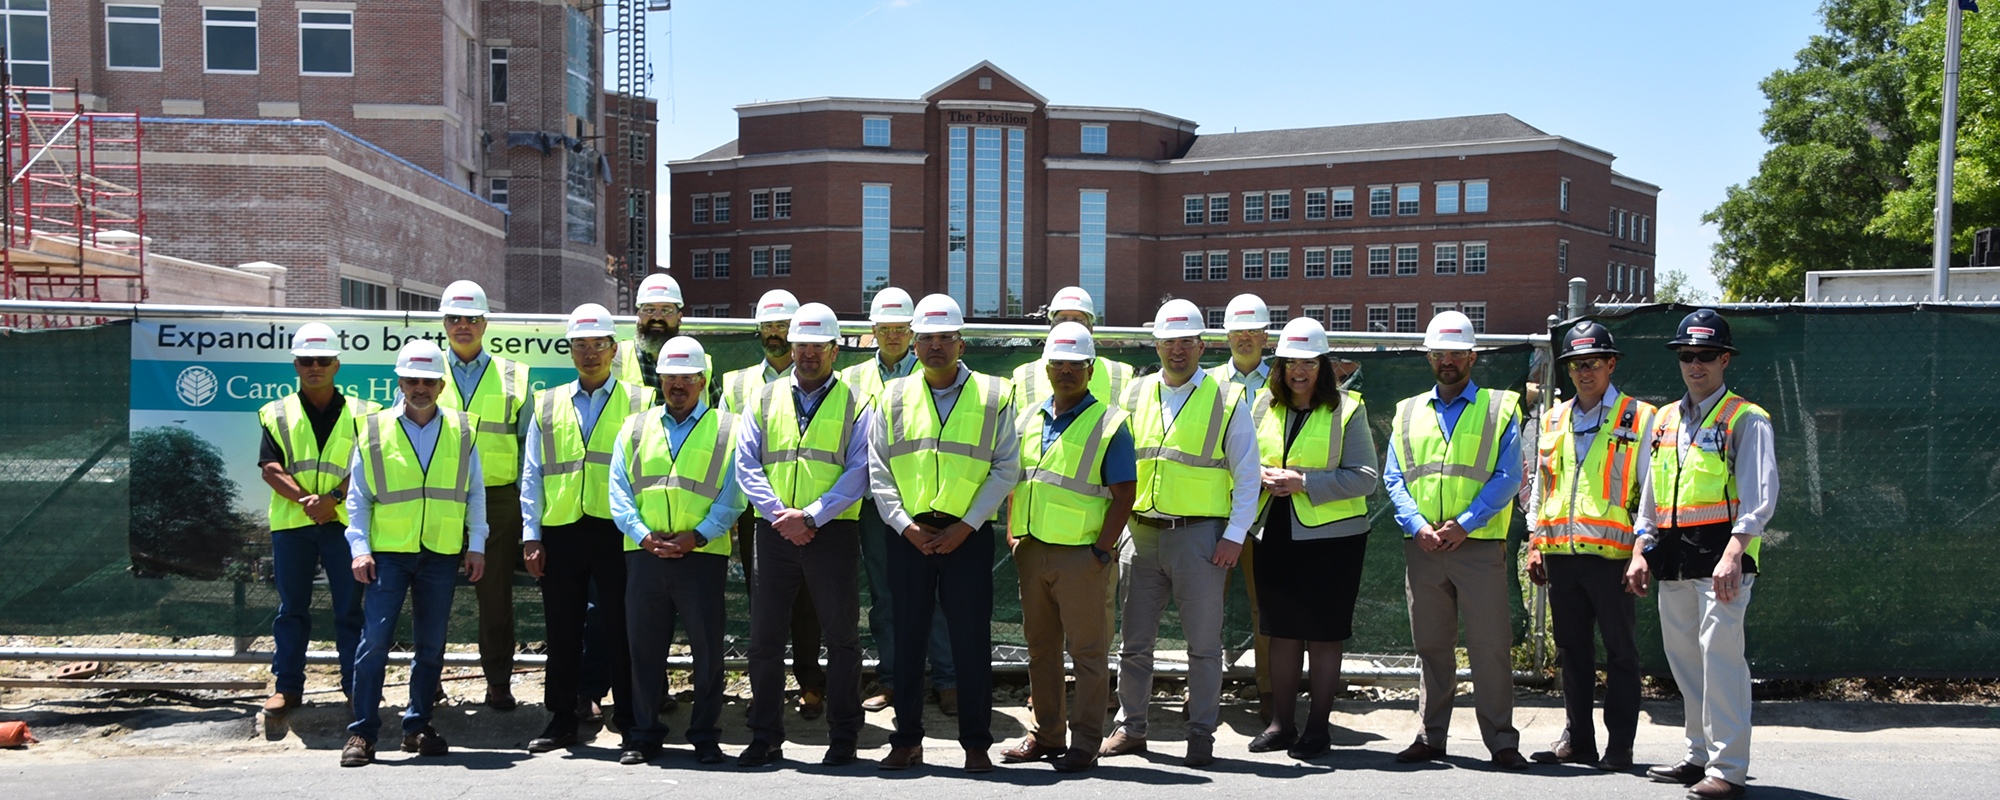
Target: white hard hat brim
(1449,346)
(1289,351)
(1246,326)
(664,369)
(1157,334)
(309,352)
(1068,357)
(934,327)
(880,319)
(413,372)
(810,338)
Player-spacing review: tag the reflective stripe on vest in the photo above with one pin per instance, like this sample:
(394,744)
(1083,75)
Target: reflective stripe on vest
(1696,485)
(417,507)
(497,402)
(1108,382)
(315,468)
(938,466)
(1588,508)
(1182,471)
(673,494)
(1444,475)
(576,475)
(1315,449)
(625,364)
(1057,498)
(739,387)
(803,466)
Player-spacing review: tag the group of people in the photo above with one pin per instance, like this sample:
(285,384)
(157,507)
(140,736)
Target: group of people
(626,491)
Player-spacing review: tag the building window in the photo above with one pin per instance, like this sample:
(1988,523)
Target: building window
(1340,318)
(720,259)
(760,262)
(411,301)
(1562,257)
(1194,210)
(1475,197)
(362,294)
(580,198)
(1253,265)
(1316,314)
(1409,200)
(1316,204)
(719,311)
(1562,196)
(1378,261)
(1644,224)
(1343,204)
(1281,206)
(1017,220)
(579,57)
(1406,318)
(1445,259)
(1253,207)
(1193,265)
(956,208)
(326,42)
(1447,198)
(132,37)
(1096,138)
(1090,215)
(229,38)
(781,262)
(496,75)
(1378,318)
(24,35)
(1218,266)
(1340,262)
(1380,201)
(1406,259)
(1278,263)
(1218,209)
(721,204)
(1439,308)
(1475,312)
(874,241)
(636,146)
(1475,258)
(1611,224)
(700,211)
(497,191)
(1280,315)
(1316,263)
(760,209)
(1215,316)
(1621,224)
(698,265)
(985,268)
(874,131)
(781,204)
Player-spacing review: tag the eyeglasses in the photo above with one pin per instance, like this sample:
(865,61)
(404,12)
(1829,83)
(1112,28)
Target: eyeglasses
(1449,355)
(1703,356)
(658,310)
(591,345)
(315,361)
(1060,365)
(1307,365)
(454,319)
(936,339)
(1586,364)
(678,379)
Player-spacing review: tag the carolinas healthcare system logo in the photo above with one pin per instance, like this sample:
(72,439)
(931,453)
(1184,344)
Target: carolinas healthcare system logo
(196,386)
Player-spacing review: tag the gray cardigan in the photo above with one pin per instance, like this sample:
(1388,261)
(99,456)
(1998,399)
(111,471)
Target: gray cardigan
(1356,476)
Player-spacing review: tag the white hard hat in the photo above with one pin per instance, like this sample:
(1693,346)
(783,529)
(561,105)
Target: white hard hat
(682,355)
(315,339)
(590,321)
(1178,319)
(938,313)
(1302,338)
(776,305)
(1074,298)
(420,358)
(658,287)
(464,299)
(892,305)
(1069,341)
(1246,313)
(1449,330)
(814,323)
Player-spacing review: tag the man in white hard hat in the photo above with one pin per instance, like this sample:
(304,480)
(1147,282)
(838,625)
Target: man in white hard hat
(308,439)
(569,540)
(1453,471)
(1077,484)
(739,388)
(659,306)
(1031,383)
(802,460)
(889,315)
(495,390)
(942,456)
(675,498)
(415,508)
(1196,501)
(1248,320)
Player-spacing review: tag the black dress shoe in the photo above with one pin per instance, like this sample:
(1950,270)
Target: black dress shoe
(560,733)
(708,753)
(1419,752)
(1565,752)
(760,753)
(1273,741)
(1615,761)
(840,754)
(1310,746)
(634,754)
(1510,758)
(1685,773)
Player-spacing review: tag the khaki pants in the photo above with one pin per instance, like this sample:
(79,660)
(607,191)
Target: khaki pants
(1062,591)
(1704,642)
(1441,585)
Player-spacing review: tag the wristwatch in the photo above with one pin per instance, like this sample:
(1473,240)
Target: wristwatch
(700,541)
(1103,556)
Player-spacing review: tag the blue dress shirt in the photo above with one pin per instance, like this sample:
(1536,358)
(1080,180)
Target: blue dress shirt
(1494,496)
(722,514)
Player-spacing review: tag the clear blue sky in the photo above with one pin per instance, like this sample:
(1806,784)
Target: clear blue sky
(1670,88)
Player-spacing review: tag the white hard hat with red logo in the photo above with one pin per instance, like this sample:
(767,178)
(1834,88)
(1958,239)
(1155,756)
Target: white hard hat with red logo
(658,287)
(1302,338)
(420,358)
(814,323)
(1449,330)
(463,299)
(1069,341)
(1246,313)
(938,313)
(1178,319)
(1074,298)
(892,305)
(590,321)
(315,339)
(682,355)
(776,305)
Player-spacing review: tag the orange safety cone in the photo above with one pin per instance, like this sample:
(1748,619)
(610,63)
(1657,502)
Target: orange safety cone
(15,734)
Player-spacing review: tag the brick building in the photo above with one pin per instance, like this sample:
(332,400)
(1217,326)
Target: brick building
(983,190)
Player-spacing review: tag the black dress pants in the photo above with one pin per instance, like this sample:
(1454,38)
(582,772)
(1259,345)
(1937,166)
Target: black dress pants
(1587,596)
(590,549)
(960,581)
(658,592)
(829,567)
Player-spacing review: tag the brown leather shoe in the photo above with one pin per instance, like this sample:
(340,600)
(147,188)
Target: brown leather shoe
(1510,758)
(1076,759)
(1030,749)
(1122,744)
(1419,752)
(903,757)
(281,704)
(812,703)
(1713,788)
(881,701)
(1685,773)
(359,752)
(1200,753)
(948,702)
(977,761)
(1564,752)
(500,698)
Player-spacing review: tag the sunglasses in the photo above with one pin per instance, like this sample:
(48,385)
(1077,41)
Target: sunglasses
(315,361)
(1703,356)
(454,319)
(1587,364)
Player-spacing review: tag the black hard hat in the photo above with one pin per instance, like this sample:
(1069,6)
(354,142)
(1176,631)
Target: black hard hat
(1588,338)
(1703,328)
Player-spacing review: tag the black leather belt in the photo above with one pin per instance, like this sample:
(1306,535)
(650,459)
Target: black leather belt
(1170,523)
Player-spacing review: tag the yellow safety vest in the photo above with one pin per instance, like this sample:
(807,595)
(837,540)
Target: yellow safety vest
(1182,471)
(497,402)
(803,466)
(576,475)
(1226,371)
(625,364)
(1108,383)
(740,386)
(1315,449)
(1059,499)
(316,469)
(1588,508)
(1699,488)
(938,465)
(865,379)
(672,493)
(1444,475)
(417,507)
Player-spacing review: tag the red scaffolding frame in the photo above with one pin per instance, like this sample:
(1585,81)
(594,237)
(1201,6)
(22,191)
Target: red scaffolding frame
(75,220)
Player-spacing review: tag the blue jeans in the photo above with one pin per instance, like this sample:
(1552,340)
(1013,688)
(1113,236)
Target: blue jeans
(428,578)
(875,537)
(296,554)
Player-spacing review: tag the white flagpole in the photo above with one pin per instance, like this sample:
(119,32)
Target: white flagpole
(1947,154)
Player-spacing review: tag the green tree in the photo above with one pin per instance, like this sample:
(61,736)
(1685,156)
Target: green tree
(1907,213)
(184,517)
(1842,134)
(1674,288)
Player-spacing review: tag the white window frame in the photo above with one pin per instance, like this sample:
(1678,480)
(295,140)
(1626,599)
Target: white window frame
(1439,308)
(1416,205)
(1388,261)
(1083,138)
(781,255)
(1199,209)
(1331,261)
(326,26)
(1416,252)
(1485,196)
(1306,263)
(1438,267)
(1388,317)
(1562,196)
(257,36)
(1212,316)
(719,265)
(698,266)
(760,200)
(888,131)
(1196,261)
(718,208)
(1645,229)
(1325,204)
(1279,316)
(1256,198)
(1271,205)
(1562,256)
(1333,202)
(496,59)
(781,210)
(1475,312)
(1465,258)
(1248,257)
(1220,268)
(1213,210)
(1397,318)
(1346,324)
(1271,259)
(498,187)
(159,42)
(1437,197)
(698,209)
(1390,208)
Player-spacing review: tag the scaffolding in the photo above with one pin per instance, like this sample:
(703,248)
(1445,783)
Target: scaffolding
(634,77)
(74,219)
